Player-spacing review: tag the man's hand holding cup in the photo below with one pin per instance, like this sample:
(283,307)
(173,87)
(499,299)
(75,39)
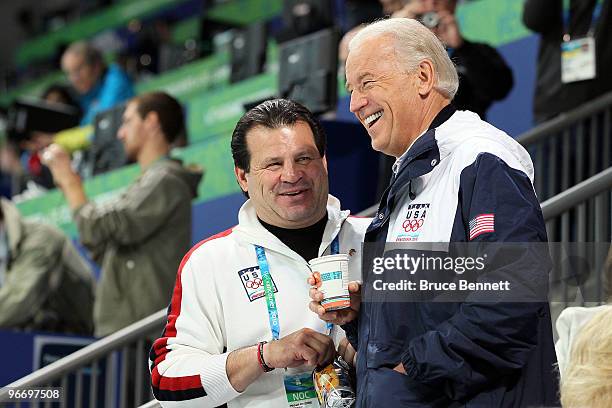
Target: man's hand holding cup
(339,316)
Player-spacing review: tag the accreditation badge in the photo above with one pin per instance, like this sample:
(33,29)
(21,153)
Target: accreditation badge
(578,60)
(300,390)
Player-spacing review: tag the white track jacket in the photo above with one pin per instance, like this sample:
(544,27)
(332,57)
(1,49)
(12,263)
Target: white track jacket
(216,309)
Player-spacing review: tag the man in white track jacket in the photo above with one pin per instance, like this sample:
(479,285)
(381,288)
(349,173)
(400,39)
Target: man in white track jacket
(239,313)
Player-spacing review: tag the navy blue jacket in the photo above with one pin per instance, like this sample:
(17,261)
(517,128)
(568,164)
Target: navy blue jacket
(471,354)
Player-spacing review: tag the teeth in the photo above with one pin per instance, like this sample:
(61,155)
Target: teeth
(373,117)
(293,193)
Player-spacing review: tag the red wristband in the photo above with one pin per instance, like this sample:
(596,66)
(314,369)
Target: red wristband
(260,358)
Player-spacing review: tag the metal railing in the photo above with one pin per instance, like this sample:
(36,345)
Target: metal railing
(571,147)
(125,384)
(121,356)
(581,215)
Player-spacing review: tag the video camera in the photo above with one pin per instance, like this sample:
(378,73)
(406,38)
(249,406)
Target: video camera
(25,116)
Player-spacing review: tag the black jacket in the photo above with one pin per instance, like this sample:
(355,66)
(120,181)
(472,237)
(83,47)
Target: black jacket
(484,77)
(545,18)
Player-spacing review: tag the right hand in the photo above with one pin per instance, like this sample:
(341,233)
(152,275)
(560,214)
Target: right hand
(58,161)
(338,317)
(304,346)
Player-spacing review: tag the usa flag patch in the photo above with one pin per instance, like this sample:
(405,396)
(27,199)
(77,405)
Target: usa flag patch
(481,224)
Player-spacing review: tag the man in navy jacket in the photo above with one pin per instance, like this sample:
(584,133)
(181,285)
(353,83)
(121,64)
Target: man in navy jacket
(456,179)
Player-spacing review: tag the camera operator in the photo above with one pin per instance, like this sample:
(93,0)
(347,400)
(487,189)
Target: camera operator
(484,76)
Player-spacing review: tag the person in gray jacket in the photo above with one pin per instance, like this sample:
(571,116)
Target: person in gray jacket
(140,237)
(44,283)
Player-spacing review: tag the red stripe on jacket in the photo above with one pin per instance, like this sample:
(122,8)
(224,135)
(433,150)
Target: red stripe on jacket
(159,346)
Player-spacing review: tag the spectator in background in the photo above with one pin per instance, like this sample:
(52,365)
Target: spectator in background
(588,378)
(54,94)
(484,76)
(31,175)
(44,282)
(13,174)
(570,325)
(141,236)
(571,321)
(100,86)
(57,93)
(359,12)
(585,21)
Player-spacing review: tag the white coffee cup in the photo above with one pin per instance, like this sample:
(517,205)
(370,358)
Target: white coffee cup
(331,276)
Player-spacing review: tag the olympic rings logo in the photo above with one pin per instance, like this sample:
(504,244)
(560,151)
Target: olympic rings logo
(254,283)
(413,225)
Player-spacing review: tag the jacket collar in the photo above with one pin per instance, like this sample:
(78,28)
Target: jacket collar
(417,161)
(250,229)
(424,154)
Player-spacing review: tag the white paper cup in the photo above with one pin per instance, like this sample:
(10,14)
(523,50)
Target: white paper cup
(333,272)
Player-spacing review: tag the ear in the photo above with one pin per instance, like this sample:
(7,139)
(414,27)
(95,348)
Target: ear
(426,77)
(324,158)
(241,178)
(151,121)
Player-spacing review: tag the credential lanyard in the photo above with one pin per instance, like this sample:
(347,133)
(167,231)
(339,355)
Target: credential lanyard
(566,18)
(264,268)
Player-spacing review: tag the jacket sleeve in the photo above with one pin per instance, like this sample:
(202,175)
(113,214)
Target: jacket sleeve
(188,362)
(135,215)
(29,277)
(352,332)
(482,66)
(485,340)
(542,16)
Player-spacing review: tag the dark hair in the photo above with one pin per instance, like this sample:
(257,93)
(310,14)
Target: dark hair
(62,90)
(66,96)
(273,114)
(168,109)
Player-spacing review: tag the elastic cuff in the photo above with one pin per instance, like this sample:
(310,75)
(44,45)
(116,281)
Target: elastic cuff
(352,330)
(215,381)
(78,212)
(409,365)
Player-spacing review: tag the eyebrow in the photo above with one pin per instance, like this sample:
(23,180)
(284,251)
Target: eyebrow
(306,151)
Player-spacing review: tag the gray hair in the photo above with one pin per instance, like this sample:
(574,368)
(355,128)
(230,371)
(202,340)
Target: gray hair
(414,43)
(90,54)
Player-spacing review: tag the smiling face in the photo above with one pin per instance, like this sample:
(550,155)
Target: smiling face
(287,181)
(384,97)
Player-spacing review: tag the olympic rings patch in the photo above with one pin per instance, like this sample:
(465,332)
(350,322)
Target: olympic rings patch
(252,282)
(413,225)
